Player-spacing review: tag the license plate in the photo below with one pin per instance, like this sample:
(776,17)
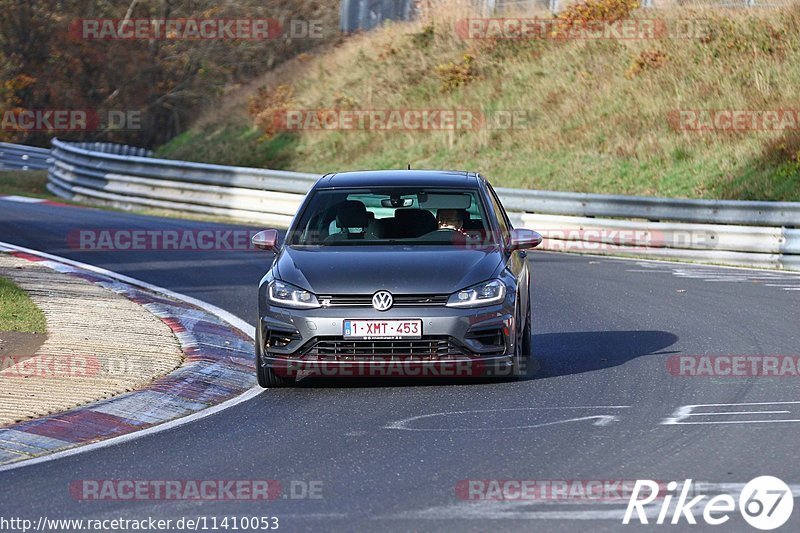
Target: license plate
(382,329)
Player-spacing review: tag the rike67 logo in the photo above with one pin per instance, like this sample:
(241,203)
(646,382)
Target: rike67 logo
(765,503)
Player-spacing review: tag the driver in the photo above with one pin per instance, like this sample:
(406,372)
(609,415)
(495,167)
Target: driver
(452,219)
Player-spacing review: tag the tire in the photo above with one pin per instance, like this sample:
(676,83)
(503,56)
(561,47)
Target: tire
(522,352)
(268,379)
(526,351)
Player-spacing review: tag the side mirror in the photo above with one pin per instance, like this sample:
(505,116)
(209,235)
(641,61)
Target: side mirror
(266,240)
(524,239)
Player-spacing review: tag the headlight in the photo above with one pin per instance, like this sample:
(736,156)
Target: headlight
(486,293)
(285,295)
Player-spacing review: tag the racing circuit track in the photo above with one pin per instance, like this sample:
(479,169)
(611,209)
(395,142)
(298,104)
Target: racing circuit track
(602,328)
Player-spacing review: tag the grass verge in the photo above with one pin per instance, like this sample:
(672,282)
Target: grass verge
(25,183)
(17,311)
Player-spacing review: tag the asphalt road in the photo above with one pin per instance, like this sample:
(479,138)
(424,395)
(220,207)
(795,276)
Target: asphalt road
(603,330)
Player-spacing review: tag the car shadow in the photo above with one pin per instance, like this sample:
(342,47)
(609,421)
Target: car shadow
(555,354)
(561,354)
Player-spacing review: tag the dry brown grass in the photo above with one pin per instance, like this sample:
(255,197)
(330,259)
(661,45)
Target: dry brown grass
(600,108)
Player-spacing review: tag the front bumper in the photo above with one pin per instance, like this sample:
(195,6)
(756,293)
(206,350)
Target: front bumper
(454,342)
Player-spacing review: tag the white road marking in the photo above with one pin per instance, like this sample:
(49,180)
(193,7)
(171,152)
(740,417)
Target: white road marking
(722,413)
(599,420)
(23,199)
(728,280)
(505,510)
(211,309)
(712,422)
(682,413)
(785,280)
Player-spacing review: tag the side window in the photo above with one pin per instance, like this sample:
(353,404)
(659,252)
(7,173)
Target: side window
(502,219)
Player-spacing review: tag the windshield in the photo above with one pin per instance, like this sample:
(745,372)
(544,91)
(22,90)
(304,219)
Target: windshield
(408,216)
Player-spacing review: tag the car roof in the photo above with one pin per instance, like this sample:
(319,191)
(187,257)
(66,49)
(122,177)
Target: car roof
(399,178)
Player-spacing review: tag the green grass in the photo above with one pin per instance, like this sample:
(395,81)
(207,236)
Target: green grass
(24,183)
(17,311)
(239,145)
(600,120)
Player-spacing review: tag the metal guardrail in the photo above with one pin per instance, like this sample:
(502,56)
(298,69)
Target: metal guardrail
(21,157)
(752,213)
(357,15)
(762,234)
(267,196)
(113,148)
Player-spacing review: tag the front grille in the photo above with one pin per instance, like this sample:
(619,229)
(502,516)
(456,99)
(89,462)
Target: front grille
(425,349)
(400,300)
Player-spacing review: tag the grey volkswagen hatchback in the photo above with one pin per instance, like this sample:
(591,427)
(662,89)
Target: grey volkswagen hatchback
(408,273)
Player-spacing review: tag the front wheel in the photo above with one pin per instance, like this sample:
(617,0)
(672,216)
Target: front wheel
(521,346)
(522,353)
(525,346)
(268,379)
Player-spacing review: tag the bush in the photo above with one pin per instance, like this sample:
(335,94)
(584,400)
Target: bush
(647,60)
(454,75)
(607,10)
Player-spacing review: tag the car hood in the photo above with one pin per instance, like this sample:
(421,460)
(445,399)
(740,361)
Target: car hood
(398,269)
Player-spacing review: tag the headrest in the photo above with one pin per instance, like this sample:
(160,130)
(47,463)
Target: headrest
(352,214)
(421,221)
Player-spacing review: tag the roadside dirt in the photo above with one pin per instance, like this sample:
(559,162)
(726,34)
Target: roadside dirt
(17,346)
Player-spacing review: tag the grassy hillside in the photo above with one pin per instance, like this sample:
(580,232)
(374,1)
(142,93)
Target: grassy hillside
(602,111)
